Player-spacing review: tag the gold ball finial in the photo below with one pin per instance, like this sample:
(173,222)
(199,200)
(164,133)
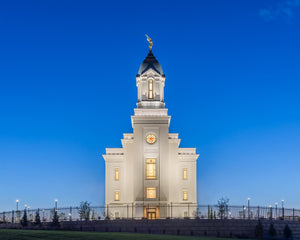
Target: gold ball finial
(150,42)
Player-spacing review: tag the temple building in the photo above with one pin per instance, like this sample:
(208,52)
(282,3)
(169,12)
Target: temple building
(150,176)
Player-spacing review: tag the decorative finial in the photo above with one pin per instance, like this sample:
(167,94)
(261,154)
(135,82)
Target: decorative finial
(150,42)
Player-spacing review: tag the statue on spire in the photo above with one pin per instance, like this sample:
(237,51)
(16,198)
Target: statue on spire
(150,42)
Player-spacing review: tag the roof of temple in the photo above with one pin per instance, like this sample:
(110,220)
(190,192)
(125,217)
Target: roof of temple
(150,62)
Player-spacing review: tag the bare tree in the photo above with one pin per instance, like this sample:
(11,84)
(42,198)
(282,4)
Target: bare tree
(223,207)
(84,210)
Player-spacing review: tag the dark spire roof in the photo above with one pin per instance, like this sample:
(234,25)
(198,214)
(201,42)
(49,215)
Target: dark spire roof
(150,62)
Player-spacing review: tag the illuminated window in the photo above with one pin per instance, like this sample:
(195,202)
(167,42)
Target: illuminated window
(151,192)
(117,196)
(185,195)
(117,174)
(117,215)
(151,168)
(185,173)
(150,89)
(185,214)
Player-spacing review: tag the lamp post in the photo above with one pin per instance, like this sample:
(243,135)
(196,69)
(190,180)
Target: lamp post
(17,202)
(276,210)
(56,200)
(248,207)
(270,206)
(282,201)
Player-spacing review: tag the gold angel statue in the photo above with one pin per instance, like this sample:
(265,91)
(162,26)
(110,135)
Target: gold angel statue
(150,42)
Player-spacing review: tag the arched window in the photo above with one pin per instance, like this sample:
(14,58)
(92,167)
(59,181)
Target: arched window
(150,89)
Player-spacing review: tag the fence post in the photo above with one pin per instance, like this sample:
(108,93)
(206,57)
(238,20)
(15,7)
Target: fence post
(293,214)
(13,217)
(282,213)
(171,209)
(70,214)
(208,212)
(258,213)
(132,211)
(127,211)
(248,209)
(107,215)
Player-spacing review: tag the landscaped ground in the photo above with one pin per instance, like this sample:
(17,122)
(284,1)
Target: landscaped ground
(64,235)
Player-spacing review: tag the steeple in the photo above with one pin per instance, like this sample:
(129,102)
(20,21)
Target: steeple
(150,62)
(150,82)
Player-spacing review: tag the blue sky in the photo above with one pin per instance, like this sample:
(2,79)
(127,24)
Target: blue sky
(67,91)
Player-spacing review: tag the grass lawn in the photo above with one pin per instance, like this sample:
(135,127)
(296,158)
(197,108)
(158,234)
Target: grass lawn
(68,235)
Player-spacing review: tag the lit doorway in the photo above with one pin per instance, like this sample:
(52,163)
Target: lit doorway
(151,213)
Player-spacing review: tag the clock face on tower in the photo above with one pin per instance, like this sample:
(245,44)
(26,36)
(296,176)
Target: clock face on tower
(151,138)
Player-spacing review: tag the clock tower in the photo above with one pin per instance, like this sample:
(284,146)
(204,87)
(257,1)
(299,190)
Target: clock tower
(150,176)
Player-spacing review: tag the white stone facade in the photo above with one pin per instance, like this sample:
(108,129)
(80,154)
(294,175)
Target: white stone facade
(150,173)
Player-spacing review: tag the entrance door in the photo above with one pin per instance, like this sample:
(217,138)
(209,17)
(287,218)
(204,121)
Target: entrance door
(151,213)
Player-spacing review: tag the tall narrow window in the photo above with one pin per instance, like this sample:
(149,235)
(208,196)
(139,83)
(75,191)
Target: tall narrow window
(184,173)
(150,89)
(151,168)
(151,192)
(117,174)
(117,196)
(185,195)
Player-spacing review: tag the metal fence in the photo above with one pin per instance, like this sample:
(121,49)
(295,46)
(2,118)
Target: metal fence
(167,211)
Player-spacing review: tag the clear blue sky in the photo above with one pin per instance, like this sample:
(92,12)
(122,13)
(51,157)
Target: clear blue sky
(67,91)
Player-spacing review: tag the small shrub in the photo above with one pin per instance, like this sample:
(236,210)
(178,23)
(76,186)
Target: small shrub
(37,218)
(259,230)
(55,219)
(93,215)
(287,232)
(272,230)
(24,221)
